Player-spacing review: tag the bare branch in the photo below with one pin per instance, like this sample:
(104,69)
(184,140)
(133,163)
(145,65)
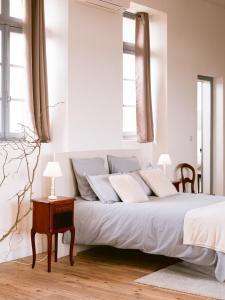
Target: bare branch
(21,152)
(4,166)
(26,149)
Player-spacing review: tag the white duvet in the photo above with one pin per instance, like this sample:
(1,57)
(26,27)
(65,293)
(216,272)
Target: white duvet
(205,227)
(154,227)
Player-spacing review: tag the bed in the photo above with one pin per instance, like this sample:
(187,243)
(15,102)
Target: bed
(154,227)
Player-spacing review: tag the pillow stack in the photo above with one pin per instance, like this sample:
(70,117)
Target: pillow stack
(126,181)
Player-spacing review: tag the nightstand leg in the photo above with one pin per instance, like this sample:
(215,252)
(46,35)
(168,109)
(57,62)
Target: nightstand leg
(33,247)
(72,231)
(56,246)
(49,251)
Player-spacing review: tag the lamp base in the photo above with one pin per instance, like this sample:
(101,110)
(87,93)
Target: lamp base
(52,197)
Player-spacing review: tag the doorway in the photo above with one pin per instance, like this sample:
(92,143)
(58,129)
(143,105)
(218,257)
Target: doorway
(204,134)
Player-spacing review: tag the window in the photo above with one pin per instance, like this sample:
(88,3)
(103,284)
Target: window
(12,74)
(129,89)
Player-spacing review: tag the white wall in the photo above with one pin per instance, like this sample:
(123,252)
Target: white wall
(56,22)
(84,46)
(95,78)
(218,131)
(19,244)
(196,45)
(189,43)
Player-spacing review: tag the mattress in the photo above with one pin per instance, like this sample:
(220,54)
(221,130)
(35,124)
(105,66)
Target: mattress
(154,227)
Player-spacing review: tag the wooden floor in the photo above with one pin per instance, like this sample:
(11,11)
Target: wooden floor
(99,273)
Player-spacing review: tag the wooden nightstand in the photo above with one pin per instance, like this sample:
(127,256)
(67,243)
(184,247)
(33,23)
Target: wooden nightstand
(53,217)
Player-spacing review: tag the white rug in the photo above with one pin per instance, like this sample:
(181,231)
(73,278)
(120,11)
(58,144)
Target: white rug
(188,278)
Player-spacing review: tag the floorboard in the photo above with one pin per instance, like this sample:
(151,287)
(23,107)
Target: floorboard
(102,273)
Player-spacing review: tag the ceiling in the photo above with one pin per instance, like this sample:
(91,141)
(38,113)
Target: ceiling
(218,2)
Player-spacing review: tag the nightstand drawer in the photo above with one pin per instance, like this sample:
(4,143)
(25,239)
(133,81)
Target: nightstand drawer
(63,208)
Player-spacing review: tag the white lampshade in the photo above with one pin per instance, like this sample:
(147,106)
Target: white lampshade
(164,159)
(52,170)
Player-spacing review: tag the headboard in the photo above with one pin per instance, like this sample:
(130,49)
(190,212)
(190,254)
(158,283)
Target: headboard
(66,185)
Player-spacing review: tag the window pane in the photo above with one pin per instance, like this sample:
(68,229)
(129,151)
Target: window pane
(16,9)
(17,49)
(17,116)
(17,84)
(129,92)
(128,66)
(129,119)
(129,30)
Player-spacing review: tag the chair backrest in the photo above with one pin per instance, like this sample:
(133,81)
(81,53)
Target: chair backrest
(184,179)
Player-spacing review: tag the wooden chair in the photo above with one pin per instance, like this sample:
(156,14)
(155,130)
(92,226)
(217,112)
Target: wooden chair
(184,179)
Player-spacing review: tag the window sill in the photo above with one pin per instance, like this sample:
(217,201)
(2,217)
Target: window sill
(130,138)
(12,138)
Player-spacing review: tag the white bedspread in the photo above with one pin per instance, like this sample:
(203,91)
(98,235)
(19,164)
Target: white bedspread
(205,227)
(154,227)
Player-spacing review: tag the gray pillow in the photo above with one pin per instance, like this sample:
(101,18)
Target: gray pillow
(141,182)
(102,187)
(123,164)
(87,166)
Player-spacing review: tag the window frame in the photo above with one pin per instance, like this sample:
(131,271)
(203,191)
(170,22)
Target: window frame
(7,25)
(129,48)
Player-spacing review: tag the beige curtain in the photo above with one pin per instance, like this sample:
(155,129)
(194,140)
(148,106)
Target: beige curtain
(36,67)
(143,79)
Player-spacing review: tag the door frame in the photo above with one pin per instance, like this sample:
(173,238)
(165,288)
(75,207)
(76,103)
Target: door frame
(210,80)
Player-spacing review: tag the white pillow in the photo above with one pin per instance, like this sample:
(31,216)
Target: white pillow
(128,188)
(158,182)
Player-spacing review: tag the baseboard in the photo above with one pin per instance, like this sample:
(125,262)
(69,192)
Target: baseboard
(24,249)
(63,249)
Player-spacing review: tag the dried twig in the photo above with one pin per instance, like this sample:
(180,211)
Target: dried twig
(21,151)
(4,176)
(26,149)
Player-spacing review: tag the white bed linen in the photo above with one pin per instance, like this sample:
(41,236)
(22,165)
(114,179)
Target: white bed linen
(154,227)
(205,227)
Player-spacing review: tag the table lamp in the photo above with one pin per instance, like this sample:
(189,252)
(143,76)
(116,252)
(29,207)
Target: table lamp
(52,170)
(164,160)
